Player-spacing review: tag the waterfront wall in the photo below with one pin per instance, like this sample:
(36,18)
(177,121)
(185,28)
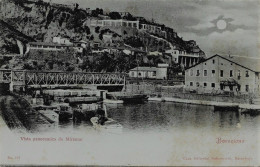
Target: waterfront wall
(180,92)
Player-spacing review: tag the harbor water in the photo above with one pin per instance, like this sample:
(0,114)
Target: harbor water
(166,116)
(154,133)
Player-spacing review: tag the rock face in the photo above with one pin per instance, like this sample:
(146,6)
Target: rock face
(23,21)
(42,21)
(9,38)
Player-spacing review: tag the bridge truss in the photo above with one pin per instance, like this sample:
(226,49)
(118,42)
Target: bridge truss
(42,78)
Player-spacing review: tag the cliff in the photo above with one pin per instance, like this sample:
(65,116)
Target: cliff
(28,20)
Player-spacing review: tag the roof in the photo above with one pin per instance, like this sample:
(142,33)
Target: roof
(48,44)
(144,69)
(249,63)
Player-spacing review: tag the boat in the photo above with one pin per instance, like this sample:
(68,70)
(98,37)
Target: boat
(110,126)
(50,115)
(65,112)
(128,98)
(85,111)
(112,101)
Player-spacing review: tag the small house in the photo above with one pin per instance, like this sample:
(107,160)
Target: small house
(159,72)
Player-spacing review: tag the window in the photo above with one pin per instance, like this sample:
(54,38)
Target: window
(205,84)
(154,73)
(191,72)
(205,73)
(247,74)
(238,75)
(198,84)
(198,73)
(139,74)
(191,83)
(213,85)
(205,63)
(221,73)
(213,72)
(132,74)
(247,88)
(238,87)
(231,73)
(213,61)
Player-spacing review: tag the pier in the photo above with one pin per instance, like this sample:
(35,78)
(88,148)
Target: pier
(241,107)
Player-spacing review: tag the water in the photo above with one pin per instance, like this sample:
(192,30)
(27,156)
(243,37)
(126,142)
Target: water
(166,116)
(154,133)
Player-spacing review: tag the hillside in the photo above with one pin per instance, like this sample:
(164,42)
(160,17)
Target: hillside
(41,21)
(10,37)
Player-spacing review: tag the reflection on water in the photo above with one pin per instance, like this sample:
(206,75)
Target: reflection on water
(166,116)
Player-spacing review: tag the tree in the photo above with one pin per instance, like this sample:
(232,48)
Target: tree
(100,36)
(87,30)
(114,15)
(91,38)
(129,17)
(101,11)
(97,29)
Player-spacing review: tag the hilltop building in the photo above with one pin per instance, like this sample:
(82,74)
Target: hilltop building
(227,73)
(123,14)
(182,57)
(114,23)
(60,40)
(58,44)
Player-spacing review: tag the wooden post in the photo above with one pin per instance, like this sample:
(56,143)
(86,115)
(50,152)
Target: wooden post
(11,83)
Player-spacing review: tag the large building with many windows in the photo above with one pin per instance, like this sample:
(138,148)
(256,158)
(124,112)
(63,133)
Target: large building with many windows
(227,73)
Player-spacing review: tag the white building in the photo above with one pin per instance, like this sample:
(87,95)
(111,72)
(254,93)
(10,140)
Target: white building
(60,40)
(46,46)
(182,57)
(159,72)
(226,73)
(114,23)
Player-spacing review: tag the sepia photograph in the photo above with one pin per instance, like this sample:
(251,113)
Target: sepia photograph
(129,83)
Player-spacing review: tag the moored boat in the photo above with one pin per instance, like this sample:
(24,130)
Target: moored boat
(65,112)
(128,98)
(112,101)
(109,126)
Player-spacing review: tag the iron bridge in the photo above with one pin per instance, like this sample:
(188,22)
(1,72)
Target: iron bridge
(43,78)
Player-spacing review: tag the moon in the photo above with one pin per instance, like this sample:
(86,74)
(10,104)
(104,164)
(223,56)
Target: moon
(221,24)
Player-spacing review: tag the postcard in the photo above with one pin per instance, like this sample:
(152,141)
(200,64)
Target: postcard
(129,82)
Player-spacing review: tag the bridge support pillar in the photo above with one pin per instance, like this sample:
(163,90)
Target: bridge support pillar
(103,94)
(11,86)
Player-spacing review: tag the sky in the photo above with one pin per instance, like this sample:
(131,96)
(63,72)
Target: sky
(218,26)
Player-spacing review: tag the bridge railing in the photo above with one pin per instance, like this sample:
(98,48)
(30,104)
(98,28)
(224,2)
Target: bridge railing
(25,77)
(5,76)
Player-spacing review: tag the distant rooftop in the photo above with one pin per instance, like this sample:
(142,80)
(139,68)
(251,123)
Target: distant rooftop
(47,44)
(144,69)
(251,63)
